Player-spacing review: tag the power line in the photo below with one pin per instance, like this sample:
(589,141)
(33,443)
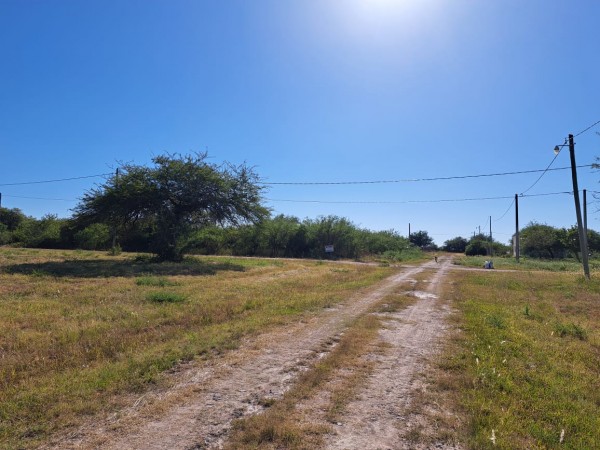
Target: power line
(546,170)
(409,180)
(559,147)
(43,198)
(56,181)
(588,128)
(357,182)
(305,183)
(355,202)
(506,212)
(352,202)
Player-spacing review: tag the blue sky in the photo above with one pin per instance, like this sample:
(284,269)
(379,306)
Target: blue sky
(310,91)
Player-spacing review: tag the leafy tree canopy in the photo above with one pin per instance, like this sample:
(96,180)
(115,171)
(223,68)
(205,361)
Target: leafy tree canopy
(541,240)
(421,239)
(12,218)
(175,197)
(455,245)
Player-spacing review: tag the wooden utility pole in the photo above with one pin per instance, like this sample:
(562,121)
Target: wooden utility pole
(490,236)
(114,230)
(517,246)
(585,213)
(582,236)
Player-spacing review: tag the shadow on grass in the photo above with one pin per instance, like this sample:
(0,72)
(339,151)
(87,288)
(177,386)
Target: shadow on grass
(120,268)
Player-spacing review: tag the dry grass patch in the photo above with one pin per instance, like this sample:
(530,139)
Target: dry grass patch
(77,328)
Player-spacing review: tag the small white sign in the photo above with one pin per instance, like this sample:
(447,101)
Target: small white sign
(329,249)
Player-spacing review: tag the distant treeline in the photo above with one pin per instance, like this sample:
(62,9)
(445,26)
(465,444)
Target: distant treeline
(279,236)
(284,236)
(536,241)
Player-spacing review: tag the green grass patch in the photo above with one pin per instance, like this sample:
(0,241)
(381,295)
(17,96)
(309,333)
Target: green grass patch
(165,297)
(526,366)
(571,329)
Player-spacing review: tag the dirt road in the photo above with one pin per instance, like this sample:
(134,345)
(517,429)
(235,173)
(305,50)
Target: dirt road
(197,412)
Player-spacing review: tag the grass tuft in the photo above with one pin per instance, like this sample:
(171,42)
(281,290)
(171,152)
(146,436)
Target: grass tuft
(165,297)
(572,330)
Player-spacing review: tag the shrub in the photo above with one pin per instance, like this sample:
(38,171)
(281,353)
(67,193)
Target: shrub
(476,248)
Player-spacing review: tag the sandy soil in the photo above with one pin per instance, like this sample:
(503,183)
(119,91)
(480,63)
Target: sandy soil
(197,412)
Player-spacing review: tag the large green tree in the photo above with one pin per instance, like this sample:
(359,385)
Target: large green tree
(571,241)
(174,198)
(541,240)
(455,245)
(421,239)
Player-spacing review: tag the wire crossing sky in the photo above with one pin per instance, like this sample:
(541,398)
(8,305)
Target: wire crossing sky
(384,112)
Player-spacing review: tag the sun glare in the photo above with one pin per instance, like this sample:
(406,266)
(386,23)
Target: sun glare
(381,17)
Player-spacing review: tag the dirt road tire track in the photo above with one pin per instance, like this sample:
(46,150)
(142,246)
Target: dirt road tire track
(197,412)
(379,417)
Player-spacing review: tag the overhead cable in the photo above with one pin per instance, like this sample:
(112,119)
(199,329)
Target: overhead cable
(273,183)
(588,128)
(43,198)
(55,181)
(505,212)
(358,202)
(408,180)
(559,147)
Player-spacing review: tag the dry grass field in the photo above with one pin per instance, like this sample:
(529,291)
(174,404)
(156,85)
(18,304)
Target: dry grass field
(82,331)
(77,329)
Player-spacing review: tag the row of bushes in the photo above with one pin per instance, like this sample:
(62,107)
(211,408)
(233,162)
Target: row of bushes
(280,236)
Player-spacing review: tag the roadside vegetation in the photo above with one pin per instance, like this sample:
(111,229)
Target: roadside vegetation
(279,236)
(524,369)
(80,328)
(527,263)
(537,241)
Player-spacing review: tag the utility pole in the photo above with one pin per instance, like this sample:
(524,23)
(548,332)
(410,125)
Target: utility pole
(409,231)
(479,230)
(517,246)
(585,213)
(114,230)
(0,199)
(490,236)
(582,236)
